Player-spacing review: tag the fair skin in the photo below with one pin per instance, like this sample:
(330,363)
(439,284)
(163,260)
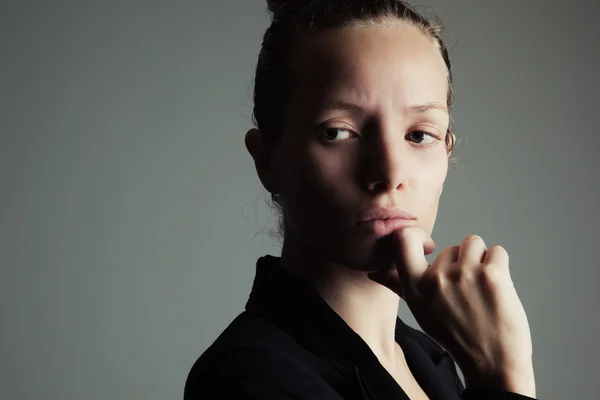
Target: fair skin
(366,129)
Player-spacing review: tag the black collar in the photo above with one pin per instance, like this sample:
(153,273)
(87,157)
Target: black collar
(295,306)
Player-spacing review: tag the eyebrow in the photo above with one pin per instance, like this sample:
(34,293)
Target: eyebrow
(416,108)
(423,108)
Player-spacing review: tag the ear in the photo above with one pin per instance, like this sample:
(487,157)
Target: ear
(453,141)
(263,155)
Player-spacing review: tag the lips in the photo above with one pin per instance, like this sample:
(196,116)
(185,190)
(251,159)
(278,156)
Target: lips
(384,227)
(384,221)
(385,213)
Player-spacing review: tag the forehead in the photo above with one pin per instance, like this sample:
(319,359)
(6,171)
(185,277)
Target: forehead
(386,64)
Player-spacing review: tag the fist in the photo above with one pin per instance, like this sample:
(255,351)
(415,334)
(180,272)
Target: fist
(466,302)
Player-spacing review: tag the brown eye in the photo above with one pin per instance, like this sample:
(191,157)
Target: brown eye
(420,136)
(337,134)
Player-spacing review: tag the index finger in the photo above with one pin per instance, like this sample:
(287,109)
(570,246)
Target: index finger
(411,244)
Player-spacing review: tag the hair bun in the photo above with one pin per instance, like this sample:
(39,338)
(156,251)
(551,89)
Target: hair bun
(275,5)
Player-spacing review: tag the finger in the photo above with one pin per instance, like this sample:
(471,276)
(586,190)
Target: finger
(448,256)
(429,245)
(472,250)
(411,244)
(496,254)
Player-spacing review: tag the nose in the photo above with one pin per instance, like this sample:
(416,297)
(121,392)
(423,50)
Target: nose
(385,162)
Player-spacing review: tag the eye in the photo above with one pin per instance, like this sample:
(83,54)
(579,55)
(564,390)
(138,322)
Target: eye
(337,134)
(422,137)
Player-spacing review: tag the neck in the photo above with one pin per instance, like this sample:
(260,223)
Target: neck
(368,308)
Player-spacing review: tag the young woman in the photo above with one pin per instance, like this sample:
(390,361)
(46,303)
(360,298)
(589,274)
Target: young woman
(353,135)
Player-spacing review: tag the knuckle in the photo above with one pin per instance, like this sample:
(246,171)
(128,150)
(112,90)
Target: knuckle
(499,251)
(437,282)
(449,252)
(498,248)
(473,239)
(457,275)
(492,274)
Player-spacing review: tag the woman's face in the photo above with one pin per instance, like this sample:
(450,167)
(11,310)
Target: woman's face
(365,128)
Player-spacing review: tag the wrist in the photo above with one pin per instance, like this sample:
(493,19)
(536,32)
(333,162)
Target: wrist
(519,380)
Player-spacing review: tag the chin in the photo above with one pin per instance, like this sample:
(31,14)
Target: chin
(367,255)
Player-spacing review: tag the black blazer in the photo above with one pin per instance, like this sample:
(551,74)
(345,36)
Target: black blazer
(289,344)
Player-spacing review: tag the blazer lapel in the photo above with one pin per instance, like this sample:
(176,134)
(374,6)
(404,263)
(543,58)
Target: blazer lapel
(432,371)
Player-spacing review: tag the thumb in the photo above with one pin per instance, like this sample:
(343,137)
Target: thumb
(410,245)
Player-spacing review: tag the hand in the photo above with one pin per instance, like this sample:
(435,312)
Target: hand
(467,303)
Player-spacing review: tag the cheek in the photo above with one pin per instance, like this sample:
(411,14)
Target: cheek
(427,181)
(305,180)
(317,189)
(430,170)
(317,171)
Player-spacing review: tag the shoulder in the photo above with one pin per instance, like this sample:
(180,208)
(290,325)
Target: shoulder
(252,359)
(247,335)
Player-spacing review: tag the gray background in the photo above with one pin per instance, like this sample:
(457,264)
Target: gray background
(131,216)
